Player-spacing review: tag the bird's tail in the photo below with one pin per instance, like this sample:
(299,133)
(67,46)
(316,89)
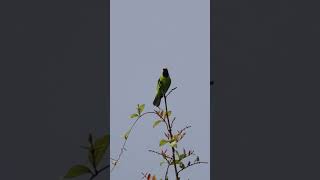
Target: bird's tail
(156,101)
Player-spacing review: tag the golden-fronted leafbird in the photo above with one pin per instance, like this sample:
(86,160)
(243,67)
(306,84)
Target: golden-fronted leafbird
(162,86)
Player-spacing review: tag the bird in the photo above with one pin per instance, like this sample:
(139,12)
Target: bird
(162,86)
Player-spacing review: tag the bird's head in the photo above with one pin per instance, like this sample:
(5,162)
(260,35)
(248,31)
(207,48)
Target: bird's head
(165,72)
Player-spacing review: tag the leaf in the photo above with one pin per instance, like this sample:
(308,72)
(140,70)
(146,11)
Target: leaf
(182,156)
(141,107)
(156,123)
(163,142)
(134,115)
(101,145)
(149,175)
(177,161)
(77,170)
(126,135)
(173,144)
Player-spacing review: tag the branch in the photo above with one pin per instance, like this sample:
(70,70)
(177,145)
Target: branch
(170,132)
(189,165)
(184,129)
(162,119)
(92,151)
(171,91)
(161,154)
(125,141)
(99,171)
(173,121)
(165,177)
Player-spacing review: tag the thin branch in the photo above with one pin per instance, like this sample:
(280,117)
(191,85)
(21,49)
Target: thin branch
(99,171)
(173,121)
(199,162)
(92,151)
(162,119)
(165,177)
(171,91)
(170,132)
(161,154)
(184,129)
(125,141)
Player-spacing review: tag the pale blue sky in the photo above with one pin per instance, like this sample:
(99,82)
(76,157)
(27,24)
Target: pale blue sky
(147,35)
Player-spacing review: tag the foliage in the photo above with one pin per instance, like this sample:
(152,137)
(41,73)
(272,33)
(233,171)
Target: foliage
(96,151)
(178,159)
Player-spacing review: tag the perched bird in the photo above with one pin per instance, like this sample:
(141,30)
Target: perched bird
(162,86)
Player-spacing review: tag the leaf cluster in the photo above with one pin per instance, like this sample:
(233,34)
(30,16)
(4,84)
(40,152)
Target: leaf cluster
(96,151)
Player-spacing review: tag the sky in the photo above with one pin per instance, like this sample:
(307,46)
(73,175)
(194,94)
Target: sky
(147,35)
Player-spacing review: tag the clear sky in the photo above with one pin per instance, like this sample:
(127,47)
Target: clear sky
(147,35)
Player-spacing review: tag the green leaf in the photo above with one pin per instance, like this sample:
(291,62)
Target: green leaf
(182,156)
(173,144)
(101,146)
(177,161)
(163,142)
(140,108)
(134,115)
(156,123)
(126,135)
(77,170)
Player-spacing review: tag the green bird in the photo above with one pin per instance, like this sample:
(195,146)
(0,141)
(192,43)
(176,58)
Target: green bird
(162,86)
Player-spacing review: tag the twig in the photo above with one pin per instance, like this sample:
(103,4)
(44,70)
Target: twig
(171,91)
(165,177)
(162,120)
(125,141)
(170,132)
(161,154)
(173,121)
(92,151)
(99,171)
(199,162)
(184,129)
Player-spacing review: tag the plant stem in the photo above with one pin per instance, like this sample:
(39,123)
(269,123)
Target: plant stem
(92,151)
(170,132)
(98,172)
(126,139)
